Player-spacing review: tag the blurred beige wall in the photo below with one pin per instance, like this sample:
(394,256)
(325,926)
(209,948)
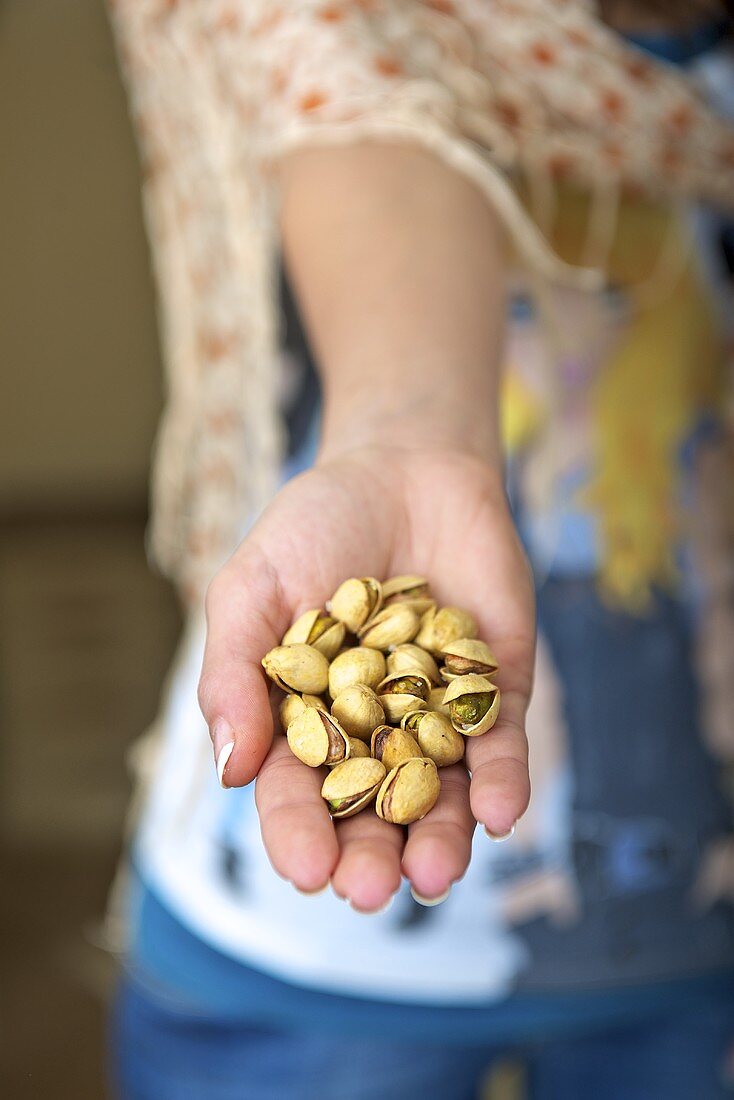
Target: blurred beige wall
(81,375)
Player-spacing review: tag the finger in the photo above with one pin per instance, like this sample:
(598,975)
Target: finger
(368,871)
(296,828)
(246,616)
(498,761)
(439,847)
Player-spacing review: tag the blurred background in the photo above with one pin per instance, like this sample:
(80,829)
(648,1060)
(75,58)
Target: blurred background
(86,630)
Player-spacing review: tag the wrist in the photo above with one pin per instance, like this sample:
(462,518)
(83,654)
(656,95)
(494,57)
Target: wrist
(443,423)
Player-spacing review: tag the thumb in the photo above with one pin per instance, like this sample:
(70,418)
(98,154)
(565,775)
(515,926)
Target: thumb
(246,616)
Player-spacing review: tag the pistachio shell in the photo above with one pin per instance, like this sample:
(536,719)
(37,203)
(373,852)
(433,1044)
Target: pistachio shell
(357,748)
(319,630)
(410,590)
(293,705)
(314,701)
(402,692)
(409,656)
(358,711)
(297,668)
(393,746)
(355,601)
(436,737)
(397,706)
(351,786)
(435,700)
(408,792)
(411,681)
(406,584)
(467,655)
(390,627)
(480,697)
(439,628)
(360,665)
(316,738)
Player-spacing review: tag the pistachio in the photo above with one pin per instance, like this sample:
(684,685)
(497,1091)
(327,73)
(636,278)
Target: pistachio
(409,791)
(390,627)
(409,656)
(355,601)
(467,655)
(409,590)
(316,738)
(393,746)
(357,748)
(319,630)
(403,692)
(297,668)
(358,711)
(436,737)
(293,705)
(439,628)
(474,703)
(435,700)
(314,701)
(360,665)
(352,785)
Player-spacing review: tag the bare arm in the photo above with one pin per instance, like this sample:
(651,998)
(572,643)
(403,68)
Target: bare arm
(397,264)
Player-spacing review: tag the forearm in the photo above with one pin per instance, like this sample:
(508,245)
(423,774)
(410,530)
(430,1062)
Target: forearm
(397,264)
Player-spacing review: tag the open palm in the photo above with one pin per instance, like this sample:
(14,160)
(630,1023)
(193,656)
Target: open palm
(372,513)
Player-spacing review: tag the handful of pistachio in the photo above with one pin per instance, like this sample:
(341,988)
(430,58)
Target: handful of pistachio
(382,687)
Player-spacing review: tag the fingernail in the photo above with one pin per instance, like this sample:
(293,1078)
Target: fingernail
(428,902)
(371,912)
(222,758)
(499,839)
(313,893)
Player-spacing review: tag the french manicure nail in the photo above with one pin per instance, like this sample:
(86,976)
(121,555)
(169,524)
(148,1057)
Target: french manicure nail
(313,893)
(224,754)
(499,839)
(371,912)
(222,738)
(428,902)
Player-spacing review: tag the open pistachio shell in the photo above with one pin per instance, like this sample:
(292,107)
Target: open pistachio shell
(355,601)
(358,711)
(393,746)
(408,792)
(316,738)
(397,706)
(293,705)
(436,737)
(402,692)
(358,748)
(408,656)
(407,589)
(435,700)
(297,668)
(474,703)
(351,786)
(467,655)
(390,627)
(410,681)
(439,628)
(319,630)
(360,665)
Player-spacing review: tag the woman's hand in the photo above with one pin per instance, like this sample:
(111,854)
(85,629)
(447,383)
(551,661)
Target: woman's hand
(372,512)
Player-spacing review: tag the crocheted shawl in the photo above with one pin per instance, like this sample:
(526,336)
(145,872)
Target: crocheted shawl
(508,92)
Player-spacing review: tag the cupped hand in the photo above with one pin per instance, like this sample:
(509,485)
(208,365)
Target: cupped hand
(372,512)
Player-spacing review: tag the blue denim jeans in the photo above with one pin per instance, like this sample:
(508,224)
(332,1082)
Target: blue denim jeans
(163,1052)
